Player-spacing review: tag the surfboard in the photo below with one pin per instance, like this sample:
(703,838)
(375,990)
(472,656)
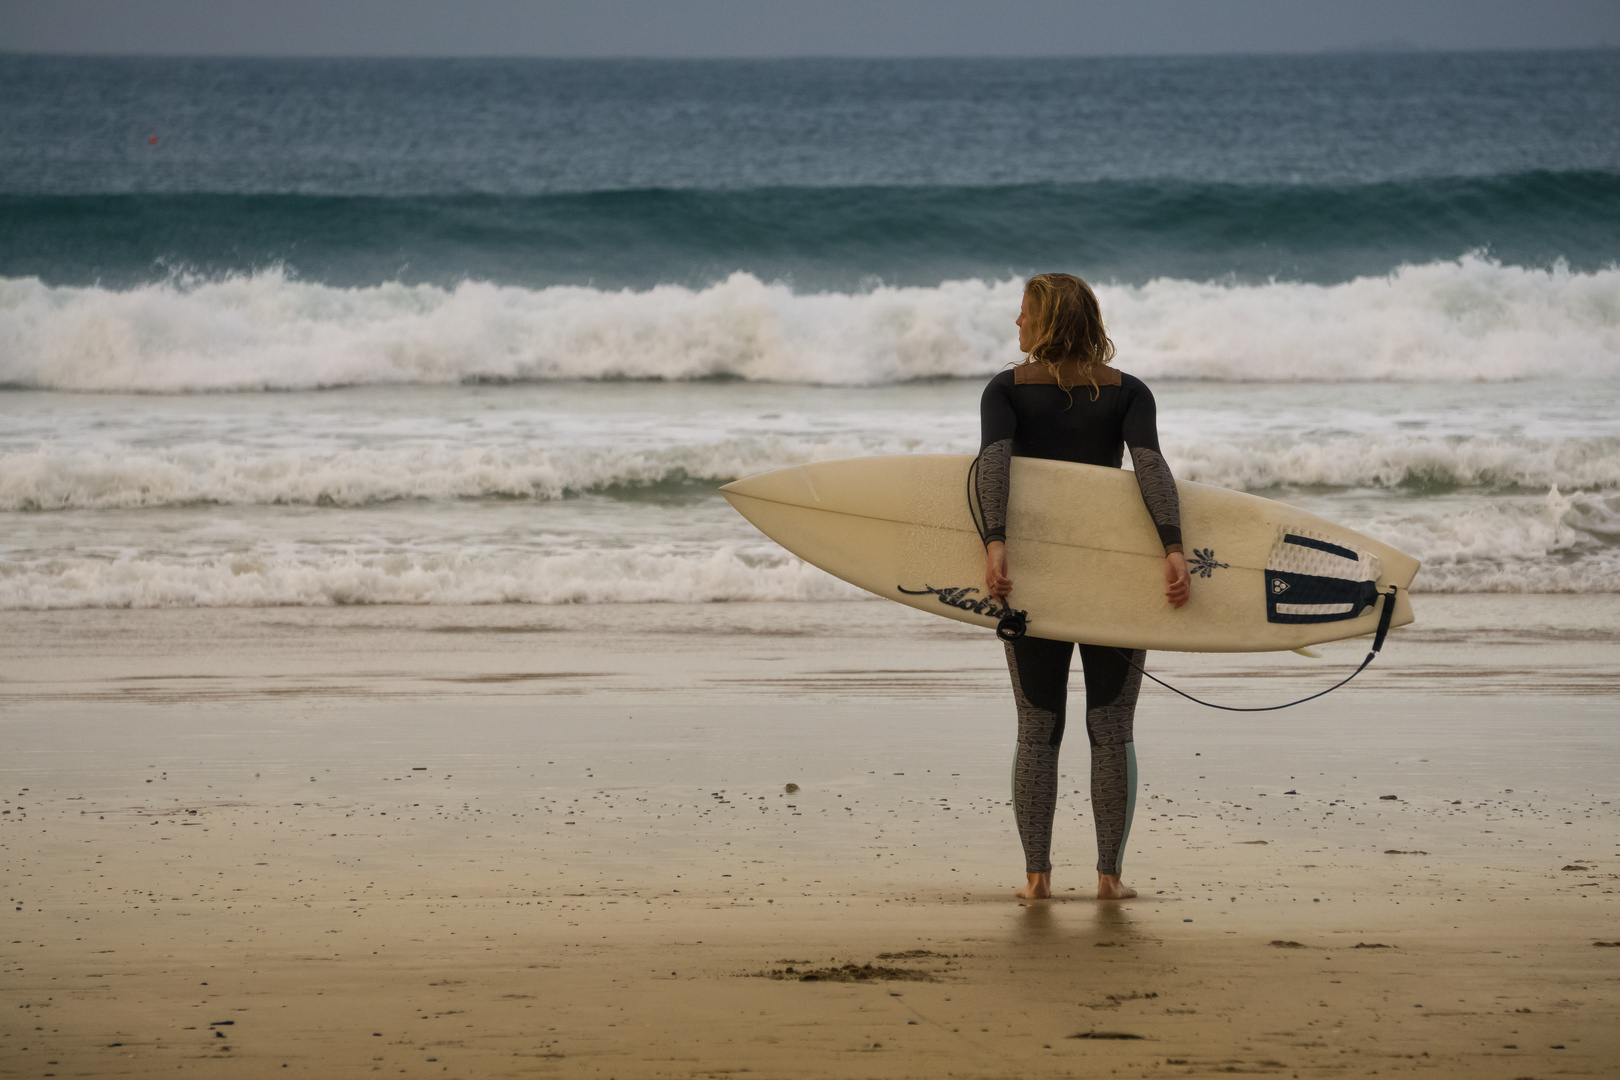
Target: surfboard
(1084,558)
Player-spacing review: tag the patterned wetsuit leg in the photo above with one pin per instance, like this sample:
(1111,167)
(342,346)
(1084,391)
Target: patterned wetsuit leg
(1040,681)
(1112,686)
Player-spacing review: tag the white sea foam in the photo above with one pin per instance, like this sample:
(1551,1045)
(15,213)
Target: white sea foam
(1556,543)
(1562,543)
(119,477)
(729,572)
(125,477)
(1464,320)
(1473,319)
(1398,460)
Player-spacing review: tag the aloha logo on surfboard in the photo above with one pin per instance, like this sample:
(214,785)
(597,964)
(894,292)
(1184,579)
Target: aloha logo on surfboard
(962,598)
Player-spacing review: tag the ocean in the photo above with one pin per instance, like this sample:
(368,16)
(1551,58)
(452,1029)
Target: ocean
(280,332)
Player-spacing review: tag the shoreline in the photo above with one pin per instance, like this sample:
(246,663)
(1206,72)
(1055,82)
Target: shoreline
(499,838)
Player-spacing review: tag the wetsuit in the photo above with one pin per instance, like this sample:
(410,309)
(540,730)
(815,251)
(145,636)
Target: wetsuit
(1025,413)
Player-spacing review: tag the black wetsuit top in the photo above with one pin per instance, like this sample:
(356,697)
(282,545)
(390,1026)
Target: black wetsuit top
(1025,413)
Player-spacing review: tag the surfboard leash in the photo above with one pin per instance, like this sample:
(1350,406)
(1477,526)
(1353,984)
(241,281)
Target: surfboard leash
(975,508)
(1378,643)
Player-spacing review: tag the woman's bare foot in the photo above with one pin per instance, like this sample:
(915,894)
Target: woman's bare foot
(1038,888)
(1109,888)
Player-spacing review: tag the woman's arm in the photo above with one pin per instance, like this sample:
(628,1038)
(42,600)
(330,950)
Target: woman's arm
(997,425)
(1158,488)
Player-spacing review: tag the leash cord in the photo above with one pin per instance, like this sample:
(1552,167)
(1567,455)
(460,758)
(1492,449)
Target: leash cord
(1378,643)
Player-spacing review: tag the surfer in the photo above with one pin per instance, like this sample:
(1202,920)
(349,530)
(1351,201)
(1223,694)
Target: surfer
(1065,402)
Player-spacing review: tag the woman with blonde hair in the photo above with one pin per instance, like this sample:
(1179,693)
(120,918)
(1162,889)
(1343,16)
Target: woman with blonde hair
(1065,402)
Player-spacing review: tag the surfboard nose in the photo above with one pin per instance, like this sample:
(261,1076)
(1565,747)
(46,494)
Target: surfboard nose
(793,486)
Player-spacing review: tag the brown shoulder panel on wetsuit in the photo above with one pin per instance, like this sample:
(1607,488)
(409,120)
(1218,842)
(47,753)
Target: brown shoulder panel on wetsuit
(1038,373)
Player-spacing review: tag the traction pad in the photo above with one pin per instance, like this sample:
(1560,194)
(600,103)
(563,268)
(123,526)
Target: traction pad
(1311,579)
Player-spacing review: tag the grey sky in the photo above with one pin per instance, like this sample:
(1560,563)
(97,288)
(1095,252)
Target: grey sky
(772,28)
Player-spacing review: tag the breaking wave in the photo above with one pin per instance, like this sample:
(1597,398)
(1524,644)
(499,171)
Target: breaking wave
(1470,319)
(127,477)
(730,573)
(1555,543)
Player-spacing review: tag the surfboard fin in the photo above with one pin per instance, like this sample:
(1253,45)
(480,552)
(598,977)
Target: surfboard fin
(1309,653)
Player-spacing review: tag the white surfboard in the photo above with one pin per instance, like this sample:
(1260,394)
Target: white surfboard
(1085,561)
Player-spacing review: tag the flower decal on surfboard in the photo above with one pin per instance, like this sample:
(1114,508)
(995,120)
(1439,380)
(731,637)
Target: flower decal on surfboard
(1203,562)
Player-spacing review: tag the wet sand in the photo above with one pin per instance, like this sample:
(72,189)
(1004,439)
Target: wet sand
(557,841)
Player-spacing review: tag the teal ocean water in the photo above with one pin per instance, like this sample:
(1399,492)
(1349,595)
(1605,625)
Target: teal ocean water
(827,173)
(819,238)
(311,332)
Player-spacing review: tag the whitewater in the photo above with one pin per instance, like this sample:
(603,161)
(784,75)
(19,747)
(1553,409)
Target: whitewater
(579,491)
(256,439)
(1471,318)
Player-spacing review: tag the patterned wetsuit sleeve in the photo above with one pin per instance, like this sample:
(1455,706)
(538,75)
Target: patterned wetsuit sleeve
(997,424)
(1153,477)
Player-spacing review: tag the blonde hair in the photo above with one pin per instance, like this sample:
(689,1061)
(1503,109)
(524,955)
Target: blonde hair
(1068,330)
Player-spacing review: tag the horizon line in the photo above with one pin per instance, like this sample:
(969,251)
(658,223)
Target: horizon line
(1369,49)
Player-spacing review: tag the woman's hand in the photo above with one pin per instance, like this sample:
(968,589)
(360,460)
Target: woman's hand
(996,581)
(1177,582)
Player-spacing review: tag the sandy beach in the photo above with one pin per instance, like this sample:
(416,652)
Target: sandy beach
(514,841)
